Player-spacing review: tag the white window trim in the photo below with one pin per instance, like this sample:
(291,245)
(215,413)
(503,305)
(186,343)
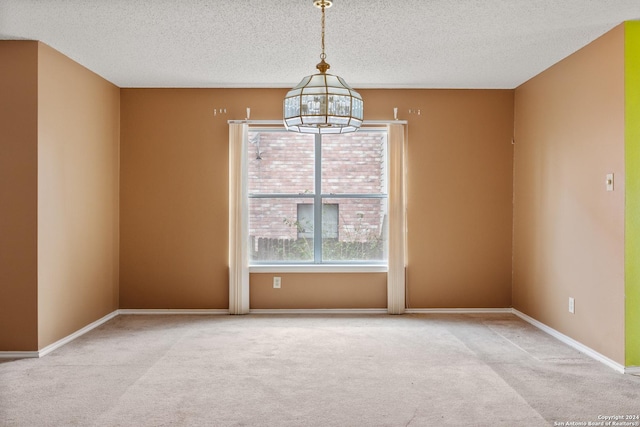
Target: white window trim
(238,222)
(318,268)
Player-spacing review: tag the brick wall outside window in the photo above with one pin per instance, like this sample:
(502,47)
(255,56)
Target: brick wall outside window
(283,162)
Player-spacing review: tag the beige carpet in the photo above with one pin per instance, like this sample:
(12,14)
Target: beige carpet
(315,370)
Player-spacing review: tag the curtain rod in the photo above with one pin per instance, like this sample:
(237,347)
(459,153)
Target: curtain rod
(280,123)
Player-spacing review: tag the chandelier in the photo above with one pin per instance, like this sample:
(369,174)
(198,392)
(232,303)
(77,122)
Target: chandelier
(323,103)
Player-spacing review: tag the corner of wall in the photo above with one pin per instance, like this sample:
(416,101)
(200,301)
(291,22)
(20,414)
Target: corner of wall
(78,135)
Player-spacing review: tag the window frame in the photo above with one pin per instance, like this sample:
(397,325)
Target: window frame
(318,264)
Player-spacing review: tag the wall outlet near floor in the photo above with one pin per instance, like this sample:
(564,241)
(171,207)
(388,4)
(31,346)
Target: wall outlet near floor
(277,282)
(572,305)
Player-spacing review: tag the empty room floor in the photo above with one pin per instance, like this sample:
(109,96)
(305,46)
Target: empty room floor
(315,370)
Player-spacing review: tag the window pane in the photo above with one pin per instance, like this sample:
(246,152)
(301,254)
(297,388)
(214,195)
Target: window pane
(354,163)
(329,220)
(280,162)
(362,231)
(305,220)
(277,233)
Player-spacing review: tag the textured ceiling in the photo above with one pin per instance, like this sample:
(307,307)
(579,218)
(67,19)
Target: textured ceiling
(371,43)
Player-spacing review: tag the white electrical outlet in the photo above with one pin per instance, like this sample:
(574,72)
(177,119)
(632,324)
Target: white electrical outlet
(277,282)
(572,305)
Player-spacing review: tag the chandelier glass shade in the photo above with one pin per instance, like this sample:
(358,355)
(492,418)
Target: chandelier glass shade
(323,103)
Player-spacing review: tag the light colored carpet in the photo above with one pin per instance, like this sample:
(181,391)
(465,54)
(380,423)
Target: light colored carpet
(313,370)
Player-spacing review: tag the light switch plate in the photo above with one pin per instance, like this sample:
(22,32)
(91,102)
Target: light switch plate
(609,182)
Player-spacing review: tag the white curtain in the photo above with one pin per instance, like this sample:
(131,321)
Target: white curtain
(397,220)
(238,208)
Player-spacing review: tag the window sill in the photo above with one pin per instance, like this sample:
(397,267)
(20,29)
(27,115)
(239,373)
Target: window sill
(325,268)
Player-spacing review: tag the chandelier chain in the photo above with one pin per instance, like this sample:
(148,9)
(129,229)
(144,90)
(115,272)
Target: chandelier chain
(323,55)
(323,66)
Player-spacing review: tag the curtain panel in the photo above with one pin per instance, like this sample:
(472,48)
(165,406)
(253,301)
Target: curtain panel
(238,221)
(397,220)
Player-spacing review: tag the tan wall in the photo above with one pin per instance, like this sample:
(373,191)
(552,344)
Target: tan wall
(18,195)
(320,290)
(173,198)
(569,232)
(460,200)
(78,167)
(174,192)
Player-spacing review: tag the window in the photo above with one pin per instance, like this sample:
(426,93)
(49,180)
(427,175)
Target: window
(317,199)
(391,215)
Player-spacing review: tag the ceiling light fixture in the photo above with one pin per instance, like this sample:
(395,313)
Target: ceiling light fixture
(323,103)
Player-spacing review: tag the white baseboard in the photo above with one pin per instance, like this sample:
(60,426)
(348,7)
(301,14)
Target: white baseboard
(457,310)
(573,343)
(319,311)
(172,311)
(48,349)
(632,370)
